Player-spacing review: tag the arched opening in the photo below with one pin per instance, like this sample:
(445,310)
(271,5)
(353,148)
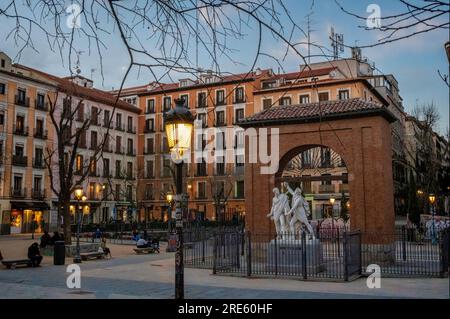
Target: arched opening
(322,174)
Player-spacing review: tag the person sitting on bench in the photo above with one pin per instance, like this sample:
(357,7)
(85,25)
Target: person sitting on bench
(155,244)
(34,254)
(142,243)
(105,249)
(45,239)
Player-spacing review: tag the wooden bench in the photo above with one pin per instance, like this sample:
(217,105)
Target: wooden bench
(92,255)
(147,250)
(12,264)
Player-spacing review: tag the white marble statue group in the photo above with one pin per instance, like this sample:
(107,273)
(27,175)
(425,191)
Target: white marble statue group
(286,216)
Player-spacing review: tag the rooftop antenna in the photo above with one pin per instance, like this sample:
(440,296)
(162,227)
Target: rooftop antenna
(308,23)
(337,43)
(77,63)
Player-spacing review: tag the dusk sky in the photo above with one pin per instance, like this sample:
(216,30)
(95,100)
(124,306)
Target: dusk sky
(414,61)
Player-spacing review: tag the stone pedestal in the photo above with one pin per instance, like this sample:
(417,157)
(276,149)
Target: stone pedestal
(289,256)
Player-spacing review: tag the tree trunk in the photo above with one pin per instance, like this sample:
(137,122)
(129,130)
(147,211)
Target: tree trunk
(67,224)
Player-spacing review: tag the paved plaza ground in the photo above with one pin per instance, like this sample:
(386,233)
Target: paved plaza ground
(127,275)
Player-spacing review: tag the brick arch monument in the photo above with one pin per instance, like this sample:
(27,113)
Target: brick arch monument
(357,130)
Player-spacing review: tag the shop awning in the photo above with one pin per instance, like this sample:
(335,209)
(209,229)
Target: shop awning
(35,205)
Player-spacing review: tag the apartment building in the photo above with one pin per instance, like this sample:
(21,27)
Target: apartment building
(27,134)
(24,136)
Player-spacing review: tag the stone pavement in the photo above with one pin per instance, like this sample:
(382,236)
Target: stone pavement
(152,276)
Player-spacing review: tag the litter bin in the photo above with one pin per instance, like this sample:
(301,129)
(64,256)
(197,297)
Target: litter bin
(59,253)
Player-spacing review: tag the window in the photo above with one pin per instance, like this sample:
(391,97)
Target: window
(325,157)
(201,99)
(40,100)
(37,186)
(201,168)
(129,193)
(79,163)
(220,167)
(119,145)
(267,104)
(269,84)
(220,97)
(164,145)
(239,115)
(119,121)
(166,167)
(149,125)
(149,169)
(306,159)
(2,88)
(94,115)
(93,166)
(150,106)
(201,190)
(130,170)
(344,94)
(93,140)
(239,160)
(304,98)
(18,183)
(239,189)
(150,146)
(286,100)
(220,118)
(323,96)
(20,124)
(167,103)
(92,190)
(21,95)
(220,140)
(106,167)
(118,169)
(38,157)
(130,149)
(239,96)
(106,118)
(118,194)
(202,117)
(130,124)
(3,63)
(185,98)
(2,118)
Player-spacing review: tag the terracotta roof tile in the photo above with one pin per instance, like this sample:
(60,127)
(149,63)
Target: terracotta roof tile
(313,110)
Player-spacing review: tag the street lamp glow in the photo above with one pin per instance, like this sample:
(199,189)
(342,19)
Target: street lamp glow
(169,197)
(332,200)
(419,192)
(78,193)
(178,124)
(432,199)
(84,198)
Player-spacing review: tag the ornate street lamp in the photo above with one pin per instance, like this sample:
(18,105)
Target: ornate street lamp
(178,124)
(432,200)
(78,194)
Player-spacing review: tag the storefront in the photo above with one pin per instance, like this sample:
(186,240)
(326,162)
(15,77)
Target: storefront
(26,217)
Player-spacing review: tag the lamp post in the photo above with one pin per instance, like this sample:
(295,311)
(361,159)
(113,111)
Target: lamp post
(178,123)
(432,200)
(169,199)
(78,196)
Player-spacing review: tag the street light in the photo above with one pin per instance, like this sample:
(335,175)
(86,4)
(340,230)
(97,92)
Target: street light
(178,124)
(78,193)
(332,200)
(432,200)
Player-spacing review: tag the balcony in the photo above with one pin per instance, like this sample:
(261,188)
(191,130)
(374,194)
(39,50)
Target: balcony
(149,150)
(19,192)
(130,177)
(201,196)
(219,169)
(38,194)
(148,195)
(120,127)
(201,171)
(93,196)
(239,100)
(107,123)
(94,173)
(93,146)
(107,174)
(20,130)
(19,160)
(131,129)
(343,188)
(119,175)
(149,175)
(239,170)
(150,110)
(131,152)
(219,123)
(327,189)
(107,148)
(149,129)
(120,150)
(41,106)
(22,101)
(38,163)
(201,105)
(40,133)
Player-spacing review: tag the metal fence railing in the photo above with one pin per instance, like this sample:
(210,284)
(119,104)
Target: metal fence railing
(335,254)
